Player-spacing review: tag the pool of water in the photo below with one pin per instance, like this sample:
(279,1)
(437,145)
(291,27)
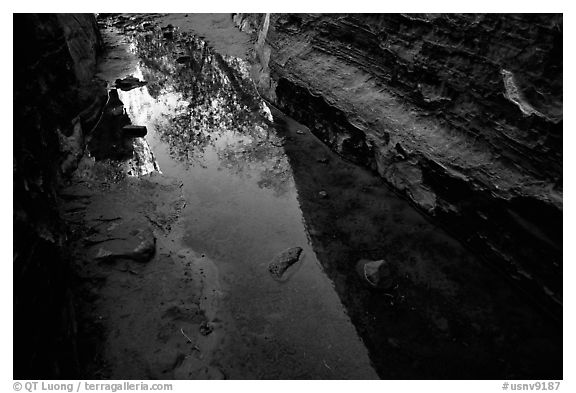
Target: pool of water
(256,183)
(208,128)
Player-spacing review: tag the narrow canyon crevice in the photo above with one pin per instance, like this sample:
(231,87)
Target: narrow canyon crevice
(288,196)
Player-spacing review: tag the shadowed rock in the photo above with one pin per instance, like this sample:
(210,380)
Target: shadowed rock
(377,274)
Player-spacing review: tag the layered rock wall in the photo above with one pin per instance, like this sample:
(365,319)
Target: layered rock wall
(56,101)
(462,114)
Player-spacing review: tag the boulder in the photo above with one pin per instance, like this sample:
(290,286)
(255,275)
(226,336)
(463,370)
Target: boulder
(377,274)
(283,261)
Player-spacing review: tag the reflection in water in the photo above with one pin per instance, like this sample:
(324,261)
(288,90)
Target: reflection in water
(210,113)
(143,161)
(208,128)
(130,156)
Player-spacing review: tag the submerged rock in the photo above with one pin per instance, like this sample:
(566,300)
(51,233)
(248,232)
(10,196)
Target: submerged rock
(377,274)
(283,261)
(206,328)
(126,242)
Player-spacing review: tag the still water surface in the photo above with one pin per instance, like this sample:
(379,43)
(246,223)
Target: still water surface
(208,128)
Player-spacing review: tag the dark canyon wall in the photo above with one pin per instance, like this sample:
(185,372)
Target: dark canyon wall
(56,101)
(462,114)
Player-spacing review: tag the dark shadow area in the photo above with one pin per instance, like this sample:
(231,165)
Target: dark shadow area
(53,98)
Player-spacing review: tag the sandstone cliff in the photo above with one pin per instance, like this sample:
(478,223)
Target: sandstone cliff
(462,114)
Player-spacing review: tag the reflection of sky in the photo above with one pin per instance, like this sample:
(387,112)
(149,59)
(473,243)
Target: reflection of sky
(217,131)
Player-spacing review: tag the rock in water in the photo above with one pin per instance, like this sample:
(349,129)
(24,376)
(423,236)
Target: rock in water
(283,261)
(378,274)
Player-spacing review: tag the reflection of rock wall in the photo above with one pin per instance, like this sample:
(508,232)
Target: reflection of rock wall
(460,113)
(55,101)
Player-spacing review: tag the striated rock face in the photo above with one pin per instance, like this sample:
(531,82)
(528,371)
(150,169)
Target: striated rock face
(55,103)
(462,114)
